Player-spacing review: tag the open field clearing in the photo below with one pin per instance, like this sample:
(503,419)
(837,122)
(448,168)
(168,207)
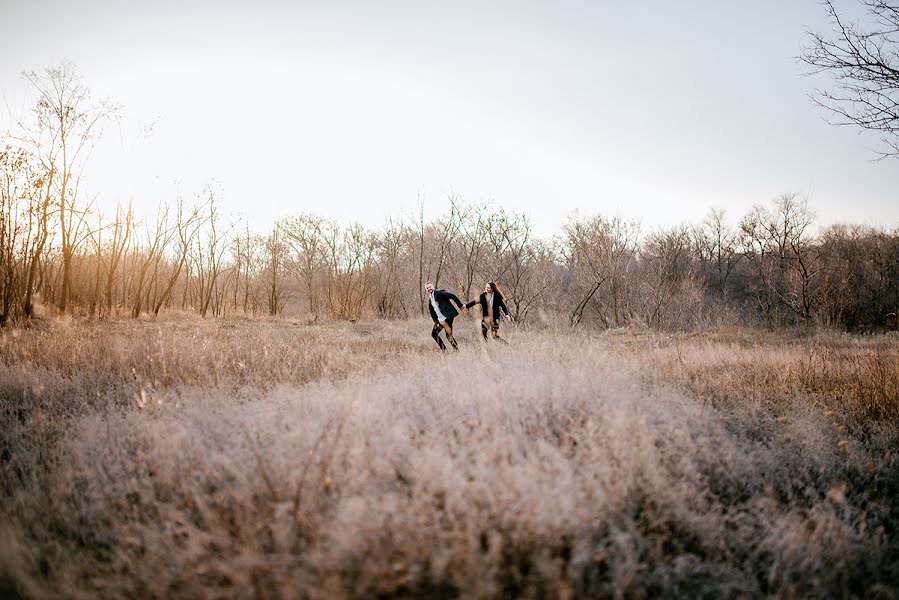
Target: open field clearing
(181,457)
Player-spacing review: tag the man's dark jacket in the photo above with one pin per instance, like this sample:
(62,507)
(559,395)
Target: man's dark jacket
(445,301)
(498,305)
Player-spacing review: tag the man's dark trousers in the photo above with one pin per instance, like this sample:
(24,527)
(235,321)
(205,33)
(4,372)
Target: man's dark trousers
(446,326)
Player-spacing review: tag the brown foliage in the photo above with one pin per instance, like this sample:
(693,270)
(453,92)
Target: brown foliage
(183,457)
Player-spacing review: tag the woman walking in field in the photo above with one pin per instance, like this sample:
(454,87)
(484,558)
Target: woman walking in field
(493,303)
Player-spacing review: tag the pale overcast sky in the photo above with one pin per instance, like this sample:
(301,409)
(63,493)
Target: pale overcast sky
(652,110)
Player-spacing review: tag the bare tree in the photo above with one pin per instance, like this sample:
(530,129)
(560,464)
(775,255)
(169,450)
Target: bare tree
(500,231)
(40,200)
(777,243)
(14,186)
(107,256)
(472,241)
(863,60)
(518,263)
(207,253)
(351,260)
(157,240)
(393,243)
(122,227)
(533,276)
(274,255)
(420,231)
(307,237)
(187,225)
(95,234)
(243,250)
(68,124)
(667,278)
(597,251)
(445,232)
(860,277)
(716,246)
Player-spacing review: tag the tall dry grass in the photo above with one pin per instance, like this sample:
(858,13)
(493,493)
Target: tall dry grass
(186,458)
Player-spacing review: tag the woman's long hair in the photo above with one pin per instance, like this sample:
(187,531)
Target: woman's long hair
(496,290)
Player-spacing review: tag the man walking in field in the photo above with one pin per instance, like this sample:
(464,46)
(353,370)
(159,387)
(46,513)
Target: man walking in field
(440,305)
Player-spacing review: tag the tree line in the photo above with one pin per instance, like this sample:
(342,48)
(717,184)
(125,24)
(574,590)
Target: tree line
(59,254)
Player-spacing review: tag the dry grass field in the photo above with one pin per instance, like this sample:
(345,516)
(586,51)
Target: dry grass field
(181,457)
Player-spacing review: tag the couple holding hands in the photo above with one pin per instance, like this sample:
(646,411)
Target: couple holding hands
(440,305)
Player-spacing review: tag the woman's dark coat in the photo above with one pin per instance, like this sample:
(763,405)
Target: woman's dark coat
(498,305)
